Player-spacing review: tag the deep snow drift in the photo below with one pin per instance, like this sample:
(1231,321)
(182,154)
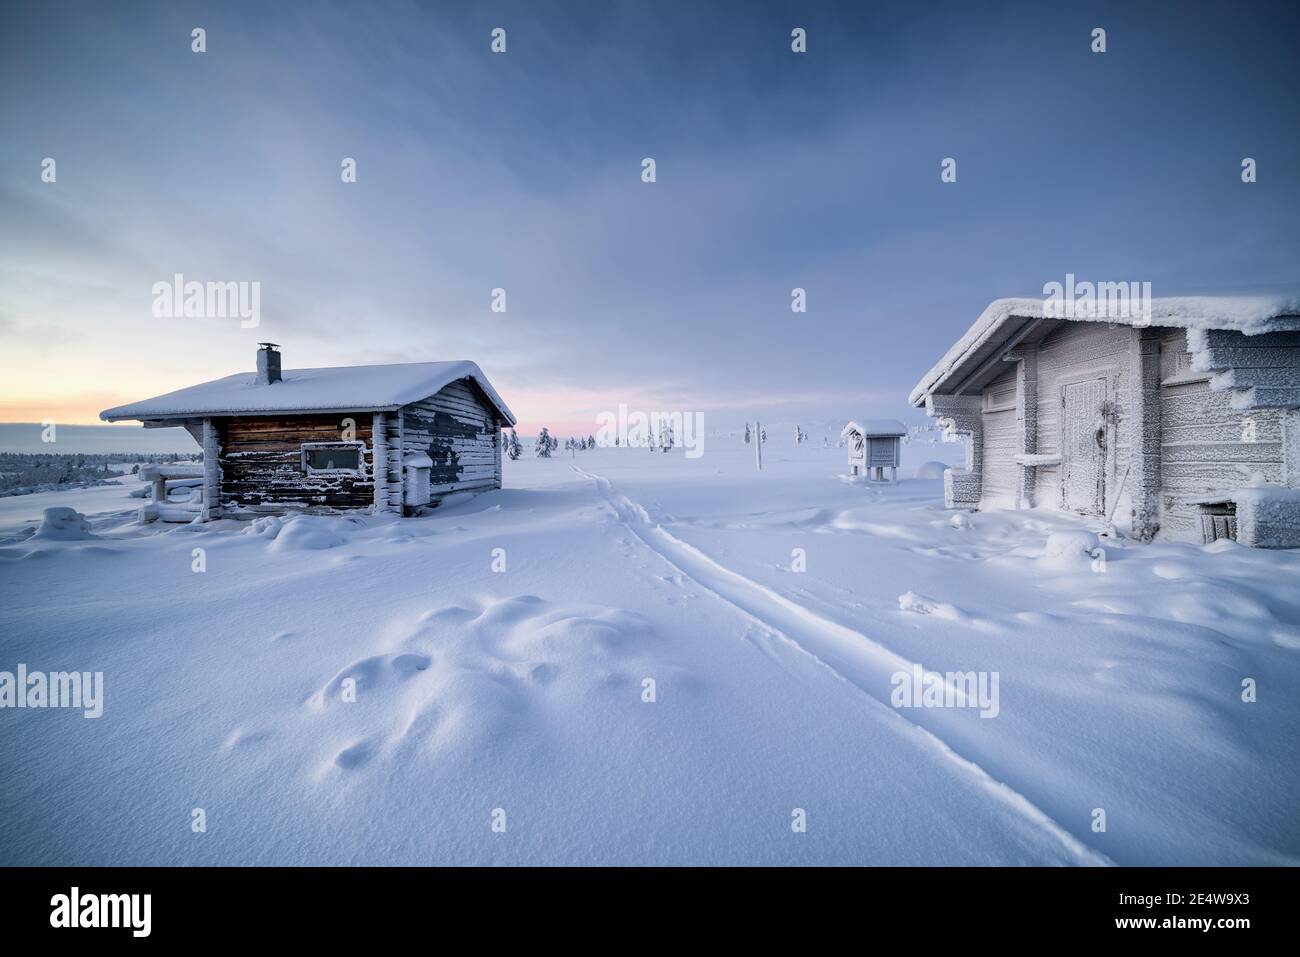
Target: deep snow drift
(362,690)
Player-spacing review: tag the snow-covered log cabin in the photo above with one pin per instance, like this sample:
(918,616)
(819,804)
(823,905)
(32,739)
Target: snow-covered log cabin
(385,438)
(1185,425)
(874,444)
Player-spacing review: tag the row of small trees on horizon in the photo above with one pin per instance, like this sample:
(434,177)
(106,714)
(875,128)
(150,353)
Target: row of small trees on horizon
(547,444)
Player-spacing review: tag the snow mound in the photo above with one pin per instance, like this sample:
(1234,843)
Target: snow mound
(299,533)
(961,520)
(1068,547)
(303,533)
(266,527)
(63,524)
(930,470)
(461,679)
(921,605)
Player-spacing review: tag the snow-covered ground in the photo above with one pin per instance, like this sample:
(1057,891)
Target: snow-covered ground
(517,695)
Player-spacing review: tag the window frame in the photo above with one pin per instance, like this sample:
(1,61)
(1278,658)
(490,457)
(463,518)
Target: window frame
(309,470)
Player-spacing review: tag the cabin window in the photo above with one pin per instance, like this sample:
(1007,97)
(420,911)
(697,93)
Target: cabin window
(332,458)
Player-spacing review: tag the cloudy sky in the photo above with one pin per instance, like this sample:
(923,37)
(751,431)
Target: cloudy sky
(522,170)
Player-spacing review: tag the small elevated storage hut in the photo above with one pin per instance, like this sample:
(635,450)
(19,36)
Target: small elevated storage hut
(874,444)
(386,438)
(1184,420)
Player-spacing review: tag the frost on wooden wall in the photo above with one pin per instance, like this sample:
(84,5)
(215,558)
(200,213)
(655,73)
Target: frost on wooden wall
(458,432)
(1207,447)
(1268,516)
(1086,364)
(960,418)
(1001,441)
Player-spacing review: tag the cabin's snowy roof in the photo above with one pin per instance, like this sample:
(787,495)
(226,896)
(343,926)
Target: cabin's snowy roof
(875,427)
(339,389)
(1249,315)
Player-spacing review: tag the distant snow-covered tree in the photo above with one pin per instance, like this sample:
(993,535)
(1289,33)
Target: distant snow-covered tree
(513,448)
(746,433)
(545,444)
(666,436)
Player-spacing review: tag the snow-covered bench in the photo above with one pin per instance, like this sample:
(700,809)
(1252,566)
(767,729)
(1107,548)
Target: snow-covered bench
(164,478)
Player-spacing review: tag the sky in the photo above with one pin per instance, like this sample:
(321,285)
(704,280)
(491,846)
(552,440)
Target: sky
(522,171)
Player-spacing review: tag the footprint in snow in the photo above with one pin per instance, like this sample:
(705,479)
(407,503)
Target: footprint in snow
(355,755)
(370,675)
(407,664)
(543,674)
(240,739)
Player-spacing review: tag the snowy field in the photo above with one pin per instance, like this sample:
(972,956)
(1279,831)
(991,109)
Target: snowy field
(1119,683)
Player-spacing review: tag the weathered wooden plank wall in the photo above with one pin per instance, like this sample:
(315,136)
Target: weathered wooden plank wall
(1206,446)
(261,462)
(1001,440)
(457,429)
(1076,352)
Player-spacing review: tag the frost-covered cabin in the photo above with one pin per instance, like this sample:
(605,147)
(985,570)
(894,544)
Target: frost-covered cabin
(1185,424)
(388,438)
(874,444)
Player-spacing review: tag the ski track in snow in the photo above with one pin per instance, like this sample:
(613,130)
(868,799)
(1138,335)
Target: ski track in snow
(849,655)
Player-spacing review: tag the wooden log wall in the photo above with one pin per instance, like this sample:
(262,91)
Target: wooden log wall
(261,462)
(458,430)
(393,444)
(1206,447)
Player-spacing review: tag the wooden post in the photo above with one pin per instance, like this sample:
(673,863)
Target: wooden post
(1145,434)
(758,444)
(1026,360)
(211,473)
(396,449)
(379,460)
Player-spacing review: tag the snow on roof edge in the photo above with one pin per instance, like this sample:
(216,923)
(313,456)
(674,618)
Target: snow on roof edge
(1249,315)
(876,427)
(301,391)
